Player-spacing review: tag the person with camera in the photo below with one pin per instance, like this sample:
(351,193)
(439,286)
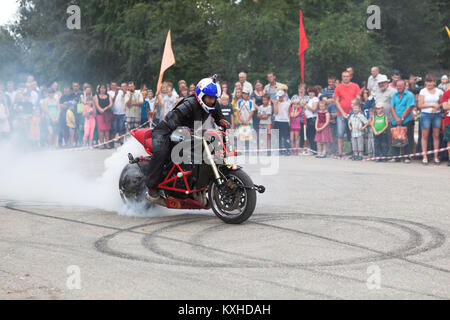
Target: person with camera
(133,101)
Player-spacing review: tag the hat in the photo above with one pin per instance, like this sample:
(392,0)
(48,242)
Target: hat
(379,105)
(444,77)
(396,72)
(246,90)
(382,78)
(280,93)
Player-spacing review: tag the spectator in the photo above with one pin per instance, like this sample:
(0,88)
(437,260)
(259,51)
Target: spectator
(333,111)
(372,82)
(344,94)
(63,130)
(35,132)
(89,121)
(167,99)
(79,108)
(395,77)
(357,123)
(57,93)
(272,87)
(237,85)
(151,101)
(352,77)
(384,97)
(295,114)
(311,114)
(182,84)
(430,103)
(10,93)
(133,101)
(184,93)
(364,92)
(145,108)
(444,83)
(50,109)
(328,91)
(227,109)
(192,88)
(4,118)
(244,82)
(281,123)
(256,97)
(117,95)
(245,110)
(370,135)
(323,131)
(401,106)
(71,122)
(265,122)
(446,107)
(379,124)
(32,93)
(103,104)
(224,88)
(234,103)
(303,101)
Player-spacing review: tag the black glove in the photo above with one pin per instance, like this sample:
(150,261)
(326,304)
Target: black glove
(224,123)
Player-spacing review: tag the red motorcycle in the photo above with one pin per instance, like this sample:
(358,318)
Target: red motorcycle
(211,183)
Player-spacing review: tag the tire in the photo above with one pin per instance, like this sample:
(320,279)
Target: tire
(132,188)
(246,196)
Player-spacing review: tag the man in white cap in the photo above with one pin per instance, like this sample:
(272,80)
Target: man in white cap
(444,83)
(384,95)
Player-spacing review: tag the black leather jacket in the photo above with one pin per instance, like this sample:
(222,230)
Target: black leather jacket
(187,111)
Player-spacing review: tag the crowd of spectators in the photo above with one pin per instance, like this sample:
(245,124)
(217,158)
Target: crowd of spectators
(348,118)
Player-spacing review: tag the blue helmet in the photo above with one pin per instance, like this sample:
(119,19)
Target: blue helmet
(207,87)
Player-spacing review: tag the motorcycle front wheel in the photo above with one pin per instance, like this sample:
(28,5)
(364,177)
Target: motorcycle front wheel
(233,204)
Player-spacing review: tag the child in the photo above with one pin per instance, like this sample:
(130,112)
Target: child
(265,122)
(333,110)
(4,115)
(35,132)
(295,114)
(357,123)
(323,130)
(227,109)
(379,124)
(245,112)
(370,135)
(89,122)
(70,122)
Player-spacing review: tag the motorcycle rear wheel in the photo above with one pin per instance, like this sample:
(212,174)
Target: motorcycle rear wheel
(247,199)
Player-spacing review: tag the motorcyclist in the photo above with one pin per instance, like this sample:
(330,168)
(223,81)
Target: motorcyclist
(196,107)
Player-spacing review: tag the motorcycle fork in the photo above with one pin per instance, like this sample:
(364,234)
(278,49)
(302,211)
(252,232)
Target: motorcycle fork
(211,161)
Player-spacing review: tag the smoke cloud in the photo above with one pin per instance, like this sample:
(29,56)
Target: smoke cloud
(68,177)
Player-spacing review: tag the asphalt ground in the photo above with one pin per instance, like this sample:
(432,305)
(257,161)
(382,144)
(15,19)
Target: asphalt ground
(324,229)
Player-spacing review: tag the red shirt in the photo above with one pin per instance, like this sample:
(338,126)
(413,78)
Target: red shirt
(446,98)
(346,94)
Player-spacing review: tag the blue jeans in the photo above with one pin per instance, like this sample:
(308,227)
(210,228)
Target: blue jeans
(118,125)
(342,126)
(428,120)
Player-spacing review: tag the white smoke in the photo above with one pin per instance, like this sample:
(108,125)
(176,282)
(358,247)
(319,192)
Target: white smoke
(68,177)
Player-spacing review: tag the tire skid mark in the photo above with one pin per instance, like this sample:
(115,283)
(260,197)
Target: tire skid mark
(438,239)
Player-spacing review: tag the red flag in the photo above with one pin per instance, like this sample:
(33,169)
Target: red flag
(168,60)
(302,46)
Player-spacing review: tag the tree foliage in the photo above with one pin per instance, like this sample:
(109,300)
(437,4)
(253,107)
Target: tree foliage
(124,39)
